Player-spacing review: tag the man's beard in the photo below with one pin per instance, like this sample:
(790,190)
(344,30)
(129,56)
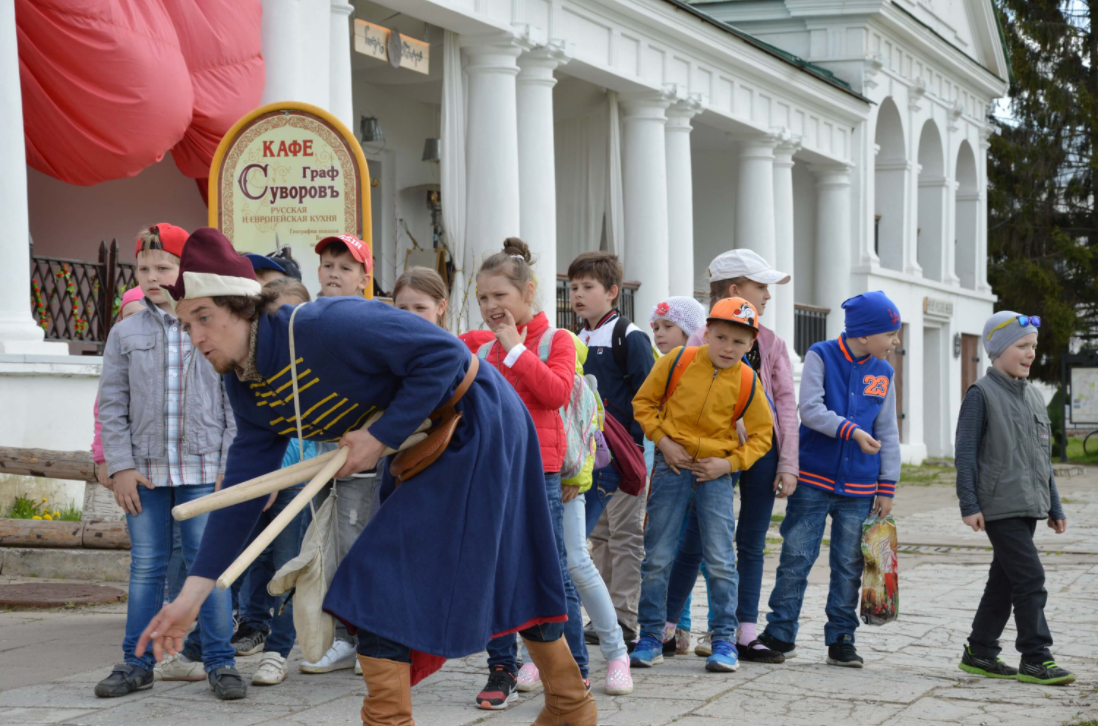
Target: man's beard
(224,368)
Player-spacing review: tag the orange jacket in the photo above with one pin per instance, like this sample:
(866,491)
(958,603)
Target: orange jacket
(698,416)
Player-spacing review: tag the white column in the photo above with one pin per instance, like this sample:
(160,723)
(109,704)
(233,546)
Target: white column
(281,38)
(755,197)
(644,193)
(680,197)
(491,150)
(981,210)
(340,94)
(833,243)
(537,163)
(916,94)
(781,315)
(18,331)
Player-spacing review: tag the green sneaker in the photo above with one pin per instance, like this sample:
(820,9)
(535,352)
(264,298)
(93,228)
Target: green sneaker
(983,666)
(1046,674)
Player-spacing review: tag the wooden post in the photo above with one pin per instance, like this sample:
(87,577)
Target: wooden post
(76,465)
(64,535)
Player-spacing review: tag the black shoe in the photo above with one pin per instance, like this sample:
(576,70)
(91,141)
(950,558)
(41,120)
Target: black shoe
(227,684)
(248,640)
(125,678)
(788,650)
(589,635)
(984,666)
(842,653)
(759,655)
(1046,674)
(669,648)
(500,691)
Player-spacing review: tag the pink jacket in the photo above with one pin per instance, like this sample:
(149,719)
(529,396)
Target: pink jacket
(97,440)
(777,381)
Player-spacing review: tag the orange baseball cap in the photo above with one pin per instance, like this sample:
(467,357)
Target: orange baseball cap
(359,249)
(735,310)
(172,239)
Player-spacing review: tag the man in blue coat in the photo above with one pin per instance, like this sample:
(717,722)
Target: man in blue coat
(459,554)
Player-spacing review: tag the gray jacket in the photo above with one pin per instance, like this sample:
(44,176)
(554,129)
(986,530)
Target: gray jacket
(131,397)
(1011,471)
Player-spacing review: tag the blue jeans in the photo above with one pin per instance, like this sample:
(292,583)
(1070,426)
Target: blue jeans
(504,649)
(756,506)
(177,569)
(803,529)
(605,482)
(256,604)
(714,500)
(589,584)
(151,544)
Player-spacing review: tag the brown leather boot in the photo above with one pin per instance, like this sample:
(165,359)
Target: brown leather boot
(389,692)
(567,700)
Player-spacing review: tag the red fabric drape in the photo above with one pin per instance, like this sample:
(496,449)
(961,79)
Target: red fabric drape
(109,86)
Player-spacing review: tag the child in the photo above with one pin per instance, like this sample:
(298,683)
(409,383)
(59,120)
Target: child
(131,304)
(673,321)
(687,407)
(505,292)
(421,291)
(620,358)
(1005,484)
(259,630)
(345,270)
(743,273)
(850,463)
(165,426)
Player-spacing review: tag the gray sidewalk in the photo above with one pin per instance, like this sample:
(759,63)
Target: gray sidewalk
(911,675)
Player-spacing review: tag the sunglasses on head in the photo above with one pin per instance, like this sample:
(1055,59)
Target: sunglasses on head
(153,244)
(1023,320)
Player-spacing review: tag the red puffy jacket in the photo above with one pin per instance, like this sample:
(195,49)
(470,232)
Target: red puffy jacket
(543,387)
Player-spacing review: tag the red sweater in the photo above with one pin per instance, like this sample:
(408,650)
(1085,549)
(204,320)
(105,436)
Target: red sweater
(543,387)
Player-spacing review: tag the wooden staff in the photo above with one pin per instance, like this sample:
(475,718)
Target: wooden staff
(237,568)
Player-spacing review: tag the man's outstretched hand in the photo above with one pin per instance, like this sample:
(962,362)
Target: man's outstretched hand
(169,628)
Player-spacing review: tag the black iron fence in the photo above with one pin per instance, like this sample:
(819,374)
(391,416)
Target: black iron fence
(77,301)
(567,319)
(809,326)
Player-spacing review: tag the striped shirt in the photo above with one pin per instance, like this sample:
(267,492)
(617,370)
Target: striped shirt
(177,468)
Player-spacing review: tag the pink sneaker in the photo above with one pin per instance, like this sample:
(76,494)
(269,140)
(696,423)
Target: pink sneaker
(528,678)
(619,682)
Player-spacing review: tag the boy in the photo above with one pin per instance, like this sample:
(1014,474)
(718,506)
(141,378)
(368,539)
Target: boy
(345,270)
(166,426)
(1005,484)
(850,463)
(275,266)
(620,358)
(688,407)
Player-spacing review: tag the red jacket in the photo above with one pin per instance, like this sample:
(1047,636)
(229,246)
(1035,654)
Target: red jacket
(544,388)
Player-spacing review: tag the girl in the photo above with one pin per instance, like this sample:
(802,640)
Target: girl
(505,292)
(743,273)
(420,290)
(674,320)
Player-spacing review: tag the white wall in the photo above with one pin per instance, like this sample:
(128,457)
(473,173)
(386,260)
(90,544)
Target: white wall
(715,181)
(71,221)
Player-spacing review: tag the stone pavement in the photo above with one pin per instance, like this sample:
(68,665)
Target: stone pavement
(49,661)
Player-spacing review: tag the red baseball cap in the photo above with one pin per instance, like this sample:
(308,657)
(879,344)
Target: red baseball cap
(359,249)
(172,239)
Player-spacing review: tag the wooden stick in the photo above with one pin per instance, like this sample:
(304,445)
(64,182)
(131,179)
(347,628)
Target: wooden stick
(284,517)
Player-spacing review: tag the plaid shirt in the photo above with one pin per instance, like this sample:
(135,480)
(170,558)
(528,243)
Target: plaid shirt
(178,469)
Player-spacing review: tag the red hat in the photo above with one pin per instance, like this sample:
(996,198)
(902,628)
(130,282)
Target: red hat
(172,239)
(359,249)
(737,311)
(209,267)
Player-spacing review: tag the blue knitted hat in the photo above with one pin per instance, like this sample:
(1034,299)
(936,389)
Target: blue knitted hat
(870,313)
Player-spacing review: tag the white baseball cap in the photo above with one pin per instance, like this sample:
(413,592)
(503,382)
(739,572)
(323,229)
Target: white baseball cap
(745,263)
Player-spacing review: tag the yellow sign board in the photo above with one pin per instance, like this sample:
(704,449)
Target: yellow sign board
(374,41)
(289,174)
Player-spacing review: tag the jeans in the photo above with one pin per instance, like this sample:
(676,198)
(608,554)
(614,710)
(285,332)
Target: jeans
(667,505)
(615,527)
(504,649)
(803,530)
(756,506)
(177,569)
(151,542)
(257,605)
(1017,578)
(588,582)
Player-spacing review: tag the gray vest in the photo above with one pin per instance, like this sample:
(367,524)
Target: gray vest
(1015,458)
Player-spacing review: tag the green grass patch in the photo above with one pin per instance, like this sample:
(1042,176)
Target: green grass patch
(25,507)
(1076,455)
(774,540)
(780,517)
(927,475)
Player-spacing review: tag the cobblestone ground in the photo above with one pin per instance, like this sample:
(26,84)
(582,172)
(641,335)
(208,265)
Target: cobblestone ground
(911,675)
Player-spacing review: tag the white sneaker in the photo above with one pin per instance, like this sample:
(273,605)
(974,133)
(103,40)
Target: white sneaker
(704,648)
(179,668)
(340,656)
(358,666)
(272,670)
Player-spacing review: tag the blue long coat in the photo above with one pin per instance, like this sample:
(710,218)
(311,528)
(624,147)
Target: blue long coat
(460,553)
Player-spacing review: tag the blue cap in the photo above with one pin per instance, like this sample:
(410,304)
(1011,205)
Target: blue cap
(262,262)
(869,314)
